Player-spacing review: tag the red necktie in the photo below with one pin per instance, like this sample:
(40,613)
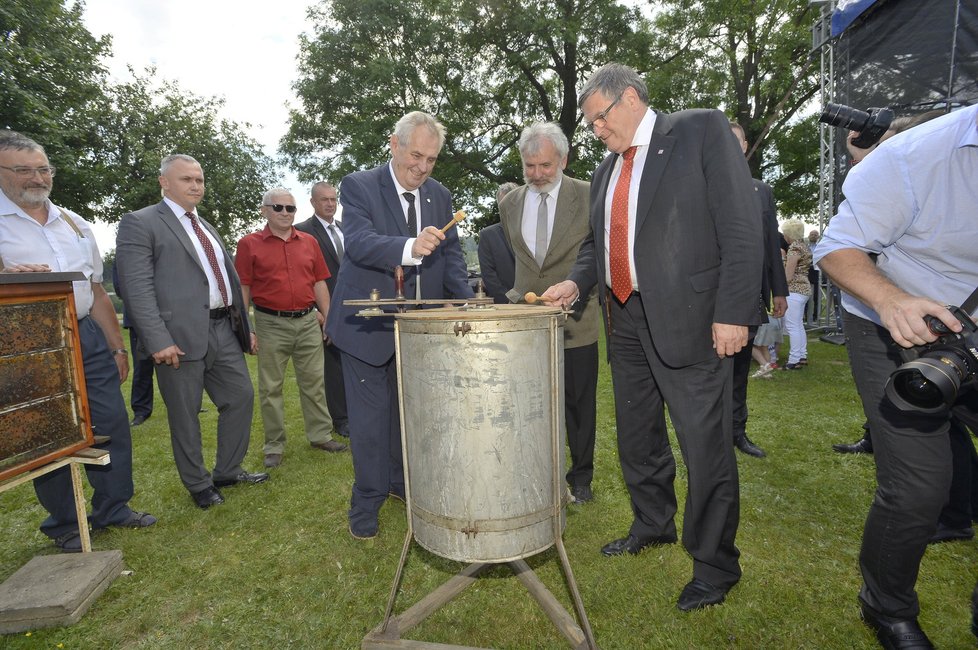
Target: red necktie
(211,257)
(621,275)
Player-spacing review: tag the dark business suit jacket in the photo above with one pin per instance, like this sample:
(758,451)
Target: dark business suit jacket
(315,228)
(773,281)
(375,232)
(698,242)
(164,286)
(496,263)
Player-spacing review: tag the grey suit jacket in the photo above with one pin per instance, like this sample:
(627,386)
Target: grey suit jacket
(163,281)
(698,242)
(571,228)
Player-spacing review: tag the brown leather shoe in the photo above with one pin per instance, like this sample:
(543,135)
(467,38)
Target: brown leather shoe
(330,445)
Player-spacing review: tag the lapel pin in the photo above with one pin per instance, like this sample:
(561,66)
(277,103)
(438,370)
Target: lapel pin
(427,200)
(660,151)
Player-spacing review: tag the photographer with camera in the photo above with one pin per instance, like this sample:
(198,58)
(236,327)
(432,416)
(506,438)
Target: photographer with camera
(912,206)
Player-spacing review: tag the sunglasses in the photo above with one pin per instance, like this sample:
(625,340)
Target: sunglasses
(278,207)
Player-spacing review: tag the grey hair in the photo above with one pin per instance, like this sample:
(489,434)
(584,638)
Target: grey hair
(172,158)
(405,127)
(533,135)
(321,184)
(276,191)
(505,189)
(611,80)
(18,141)
(794,229)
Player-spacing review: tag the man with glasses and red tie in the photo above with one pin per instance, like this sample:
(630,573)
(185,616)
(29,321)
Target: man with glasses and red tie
(183,293)
(284,274)
(675,248)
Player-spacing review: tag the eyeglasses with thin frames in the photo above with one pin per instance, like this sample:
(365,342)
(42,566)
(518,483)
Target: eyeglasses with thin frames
(28,172)
(602,118)
(278,207)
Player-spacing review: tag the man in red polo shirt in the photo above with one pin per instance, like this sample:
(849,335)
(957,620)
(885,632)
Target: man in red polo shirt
(283,272)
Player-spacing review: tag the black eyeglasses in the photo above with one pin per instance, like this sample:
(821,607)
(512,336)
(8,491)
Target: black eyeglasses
(28,172)
(278,207)
(602,117)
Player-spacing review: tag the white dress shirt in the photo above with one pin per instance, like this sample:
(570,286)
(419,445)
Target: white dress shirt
(406,258)
(531,206)
(641,141)
(216,301)
(24,241)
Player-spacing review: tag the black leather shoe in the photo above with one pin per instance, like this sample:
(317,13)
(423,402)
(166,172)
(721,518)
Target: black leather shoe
(698,594)
(634,545)
(243,477)
(948,534)
(582,493)
(207,497)
(138,419)
(896,634)
(744,444)
(343,430)
(861,446)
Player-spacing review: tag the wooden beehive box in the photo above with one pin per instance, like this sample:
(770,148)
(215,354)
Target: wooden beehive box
(43,404)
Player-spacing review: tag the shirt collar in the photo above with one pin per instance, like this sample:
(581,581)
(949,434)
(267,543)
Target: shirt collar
(8,207)
(643,134)
(177,210)
(266,232)
(400,189)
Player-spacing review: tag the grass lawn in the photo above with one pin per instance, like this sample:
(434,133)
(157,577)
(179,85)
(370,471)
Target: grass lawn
(275,567)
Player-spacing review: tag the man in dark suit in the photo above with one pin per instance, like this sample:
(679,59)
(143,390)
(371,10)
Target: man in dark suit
(774,293)
(547,219)
(141,392)
(328,232)
(392,215)
(675,244)
(181,287)
(497,264)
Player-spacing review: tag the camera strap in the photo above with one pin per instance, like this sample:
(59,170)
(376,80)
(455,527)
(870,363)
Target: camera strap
(972,301)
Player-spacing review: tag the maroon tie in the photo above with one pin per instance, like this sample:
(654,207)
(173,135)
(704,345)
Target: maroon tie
(621,275)
(211,257)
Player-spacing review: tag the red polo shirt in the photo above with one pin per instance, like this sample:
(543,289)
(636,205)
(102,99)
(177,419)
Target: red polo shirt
(281,273)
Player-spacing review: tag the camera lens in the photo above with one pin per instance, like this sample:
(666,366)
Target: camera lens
(928,384)
(845,117)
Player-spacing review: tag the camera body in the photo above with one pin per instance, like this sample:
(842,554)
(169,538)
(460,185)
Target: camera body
(871,125)
(934,374)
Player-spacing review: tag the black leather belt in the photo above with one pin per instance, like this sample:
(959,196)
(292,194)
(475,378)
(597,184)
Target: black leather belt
(284,314)
(220,312)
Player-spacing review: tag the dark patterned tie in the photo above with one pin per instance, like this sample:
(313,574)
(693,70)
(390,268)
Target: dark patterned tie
(211,257)
(412,215)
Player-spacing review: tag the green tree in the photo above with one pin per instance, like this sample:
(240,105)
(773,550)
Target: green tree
(751,58)
(52,89)
(149,121)
(485,67)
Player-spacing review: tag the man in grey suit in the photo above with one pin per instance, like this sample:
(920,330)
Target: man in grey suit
(393,214)
(676,250)
(328,232)
(546,220)
(179,283)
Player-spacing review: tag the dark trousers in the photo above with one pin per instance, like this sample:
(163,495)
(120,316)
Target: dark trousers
(913,474)
(963,496)
(335,386)
(580,410)
(112,483)
(375,439)
(141,395)
(699,401)
(741,370)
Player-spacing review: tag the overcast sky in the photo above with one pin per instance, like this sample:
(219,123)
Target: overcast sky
(242,50)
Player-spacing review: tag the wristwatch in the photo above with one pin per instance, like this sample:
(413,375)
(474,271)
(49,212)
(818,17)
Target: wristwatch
(122,351)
